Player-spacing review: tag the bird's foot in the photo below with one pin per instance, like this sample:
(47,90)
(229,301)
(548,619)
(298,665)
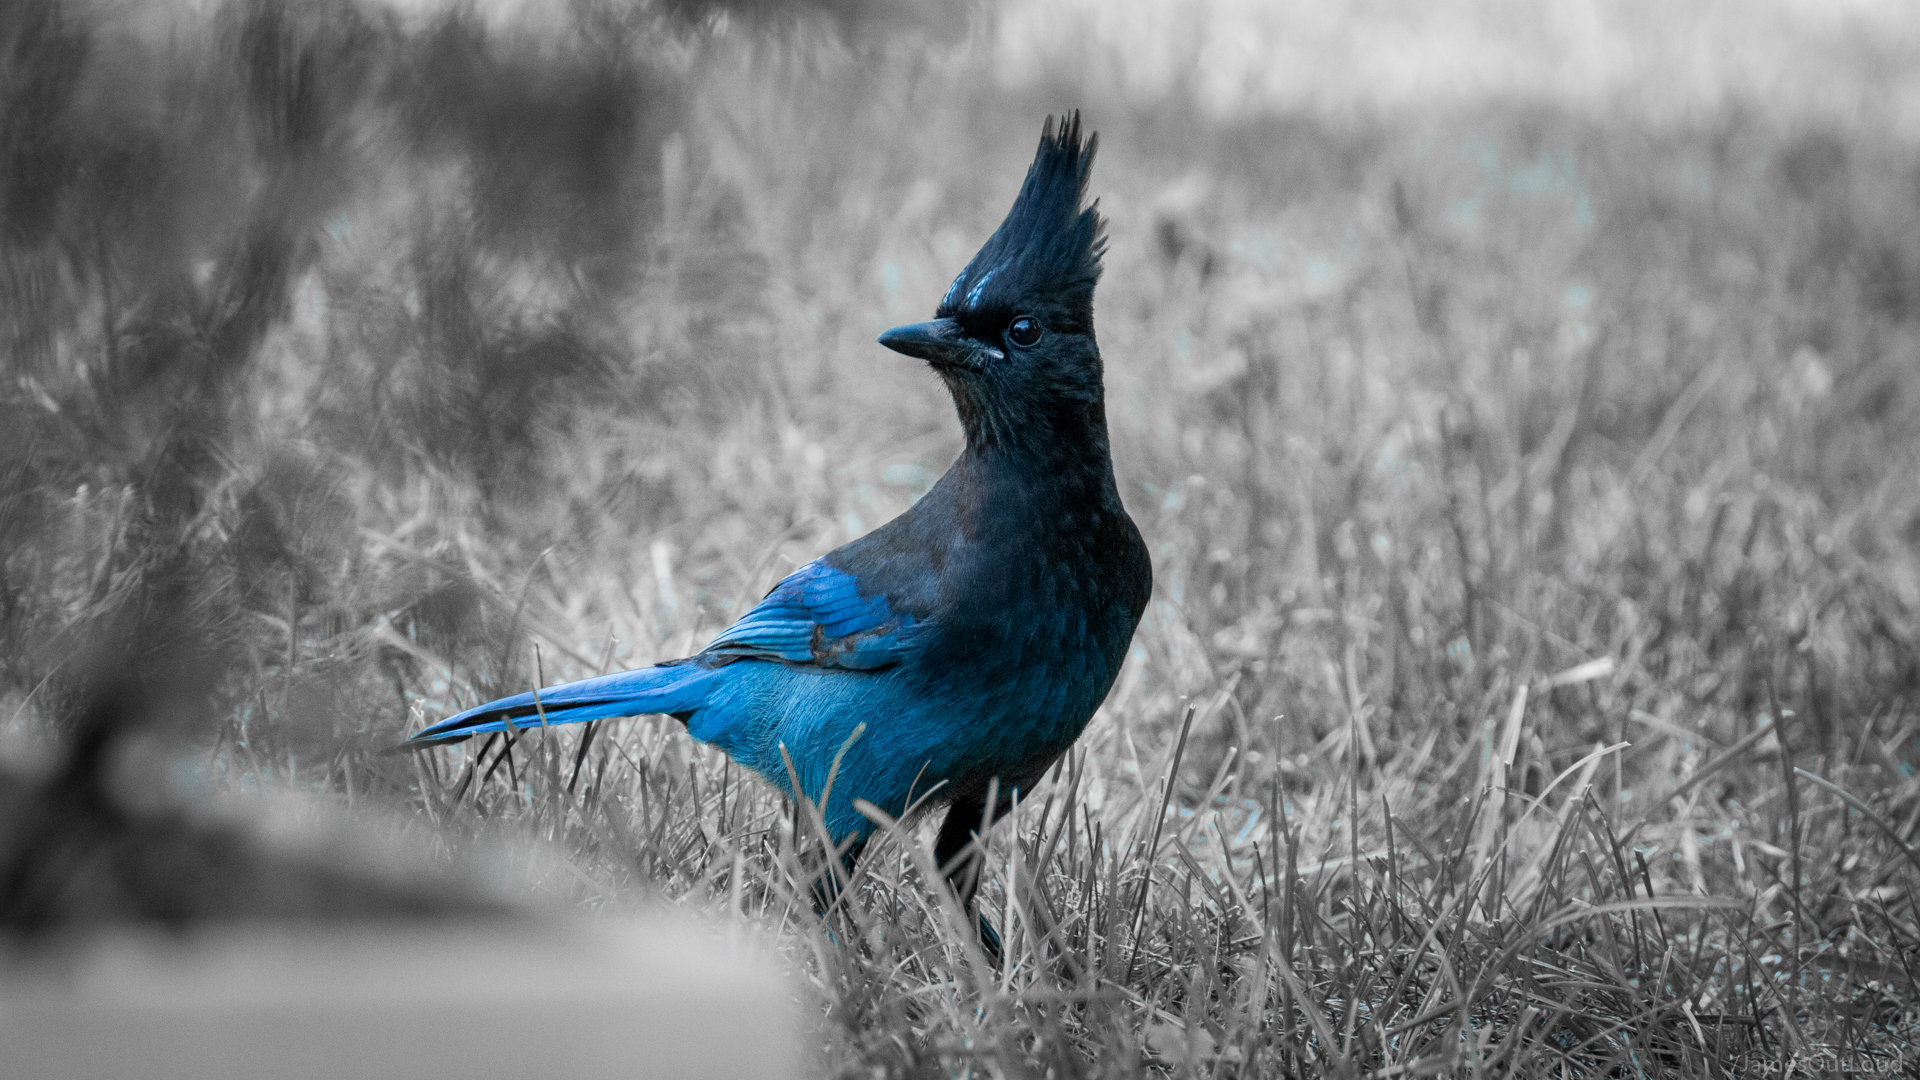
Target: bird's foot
(990,941)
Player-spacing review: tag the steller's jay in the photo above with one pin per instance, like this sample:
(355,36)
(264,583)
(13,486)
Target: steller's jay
(953,654)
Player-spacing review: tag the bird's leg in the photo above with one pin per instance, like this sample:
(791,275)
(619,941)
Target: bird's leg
(831,879)
(962,861)
(956,859)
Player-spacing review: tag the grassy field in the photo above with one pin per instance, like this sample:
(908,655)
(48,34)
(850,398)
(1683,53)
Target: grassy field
(1533,491)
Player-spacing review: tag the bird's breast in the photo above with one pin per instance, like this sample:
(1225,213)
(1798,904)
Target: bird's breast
(1025,585)
(1040,623)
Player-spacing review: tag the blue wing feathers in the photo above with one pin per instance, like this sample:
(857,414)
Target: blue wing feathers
(815,617)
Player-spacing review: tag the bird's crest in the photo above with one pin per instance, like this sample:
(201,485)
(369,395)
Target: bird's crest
(1049,246)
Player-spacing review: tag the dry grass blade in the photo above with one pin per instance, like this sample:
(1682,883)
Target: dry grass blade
(1151,854)
(1881,823)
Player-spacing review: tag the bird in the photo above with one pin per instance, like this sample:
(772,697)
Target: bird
(952,655)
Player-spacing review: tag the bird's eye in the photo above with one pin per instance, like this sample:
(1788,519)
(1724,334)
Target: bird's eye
(1024,331)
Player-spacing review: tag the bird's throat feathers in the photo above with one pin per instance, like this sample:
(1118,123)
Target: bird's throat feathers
(1042,456)
(1034,425)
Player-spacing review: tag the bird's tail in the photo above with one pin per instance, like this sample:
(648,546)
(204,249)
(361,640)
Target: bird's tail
(670,688)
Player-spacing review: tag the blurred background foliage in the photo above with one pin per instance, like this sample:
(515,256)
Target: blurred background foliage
(349,347)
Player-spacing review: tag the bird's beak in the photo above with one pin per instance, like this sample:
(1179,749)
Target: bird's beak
(940,342)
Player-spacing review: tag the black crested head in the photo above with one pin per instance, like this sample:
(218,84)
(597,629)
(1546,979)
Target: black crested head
(1014,336)
(1048,249)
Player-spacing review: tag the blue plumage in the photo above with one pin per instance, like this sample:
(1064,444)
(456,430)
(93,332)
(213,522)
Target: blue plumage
(974,635)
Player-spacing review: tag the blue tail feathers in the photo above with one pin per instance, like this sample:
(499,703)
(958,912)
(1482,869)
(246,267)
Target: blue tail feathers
(668,688)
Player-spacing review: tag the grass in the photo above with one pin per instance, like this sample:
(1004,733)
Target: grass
(1529,685)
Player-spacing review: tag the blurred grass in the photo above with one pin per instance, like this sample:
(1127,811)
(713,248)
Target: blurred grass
(1531,491)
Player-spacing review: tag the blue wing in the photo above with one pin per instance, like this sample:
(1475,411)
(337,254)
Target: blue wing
(817,616)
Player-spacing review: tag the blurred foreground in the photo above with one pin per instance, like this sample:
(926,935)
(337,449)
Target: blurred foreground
(587,1001)
(1531,485)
